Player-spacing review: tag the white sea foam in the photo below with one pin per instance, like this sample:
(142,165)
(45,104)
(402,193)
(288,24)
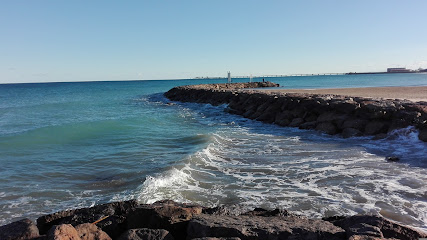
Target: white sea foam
(302,171)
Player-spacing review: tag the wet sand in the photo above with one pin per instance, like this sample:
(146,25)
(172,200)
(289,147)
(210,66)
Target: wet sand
(415,94)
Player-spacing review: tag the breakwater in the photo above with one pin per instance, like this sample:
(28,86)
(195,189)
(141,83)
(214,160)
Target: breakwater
(168,220)
(331,114)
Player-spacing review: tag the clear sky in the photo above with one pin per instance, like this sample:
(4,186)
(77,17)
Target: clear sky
(95,40)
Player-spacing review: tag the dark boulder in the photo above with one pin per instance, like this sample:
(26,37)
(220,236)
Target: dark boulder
(375,226)
(351,132)
(308,125)
(296,122)
(215,238)
(146,234)
(327,127)
(22,229)
(113,225)
(167,214)
(258,227)
(392,159)
(375,127)
(355,123)
(422,135)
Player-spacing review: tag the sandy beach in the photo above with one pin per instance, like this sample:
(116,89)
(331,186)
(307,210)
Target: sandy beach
(415,94)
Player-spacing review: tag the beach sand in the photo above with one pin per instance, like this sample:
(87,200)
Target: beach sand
(415,94)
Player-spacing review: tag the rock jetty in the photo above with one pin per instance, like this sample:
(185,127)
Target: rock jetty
(331,114)
(168,220)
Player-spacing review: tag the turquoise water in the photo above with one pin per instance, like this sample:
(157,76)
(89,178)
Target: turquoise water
(68,145)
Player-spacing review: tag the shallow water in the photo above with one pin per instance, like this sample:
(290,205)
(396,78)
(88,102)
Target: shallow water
(68,145)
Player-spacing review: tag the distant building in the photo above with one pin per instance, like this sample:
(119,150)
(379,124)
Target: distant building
(398,70)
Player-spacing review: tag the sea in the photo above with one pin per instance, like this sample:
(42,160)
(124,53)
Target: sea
(78,144)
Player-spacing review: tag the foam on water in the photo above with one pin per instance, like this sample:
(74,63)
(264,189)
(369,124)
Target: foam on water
(260,165)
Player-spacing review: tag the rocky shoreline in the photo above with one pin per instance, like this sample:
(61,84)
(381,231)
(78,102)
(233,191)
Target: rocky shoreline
(169,220)
(331,114)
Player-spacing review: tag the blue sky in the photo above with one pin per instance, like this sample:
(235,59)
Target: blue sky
(128,40)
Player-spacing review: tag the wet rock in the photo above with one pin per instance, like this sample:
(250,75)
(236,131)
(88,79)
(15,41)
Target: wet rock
(327,128)
(167,215)
(260,212)
(310,117)
(355,123)
(369,225)
(113,225)
(380,136)
(267,117)
(215,238)
(226,210)
(308,125)
(375,127)
(365,230)
(296,122)
(392,159)
(283,122)
(422,135)
(89,231)
(146,234)
(351,132)
(22,229)
(258,227)
(63,232)
(327,117)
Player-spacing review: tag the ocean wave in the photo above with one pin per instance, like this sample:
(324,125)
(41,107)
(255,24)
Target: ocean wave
(308,173)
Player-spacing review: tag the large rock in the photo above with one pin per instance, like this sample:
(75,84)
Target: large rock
(146,234)
(355,123)
(423,135)
(375,127)
(351,132)
(89,231)
(113,225)
(22,229)
(326,127)
(296,122)
(260,227)
(63,232)
(374,227)
(166,214)
(215,238)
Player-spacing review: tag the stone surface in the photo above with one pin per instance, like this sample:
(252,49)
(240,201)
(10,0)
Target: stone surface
(168,215)
(392,159)
(259,227)
(113,225)
(63,232)
(22,229)
(89,231)
(215,238)
(296,122)
(375,127)
(327,127)
(146,234)
(423,135)
(350,132)
(375,226)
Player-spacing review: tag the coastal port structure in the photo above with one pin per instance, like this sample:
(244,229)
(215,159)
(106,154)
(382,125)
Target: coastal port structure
(398,70)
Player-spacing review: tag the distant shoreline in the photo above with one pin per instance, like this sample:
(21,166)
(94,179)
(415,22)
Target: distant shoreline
(415,94)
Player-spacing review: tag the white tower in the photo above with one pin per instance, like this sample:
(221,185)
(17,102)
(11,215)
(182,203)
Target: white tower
(229,76)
